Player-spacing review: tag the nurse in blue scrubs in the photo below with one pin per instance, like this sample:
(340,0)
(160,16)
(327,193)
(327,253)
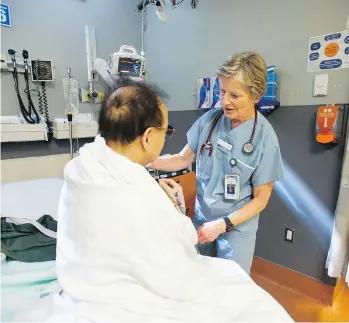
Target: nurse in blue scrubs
(237,159)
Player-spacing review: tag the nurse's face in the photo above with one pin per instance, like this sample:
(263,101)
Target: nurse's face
(236,99)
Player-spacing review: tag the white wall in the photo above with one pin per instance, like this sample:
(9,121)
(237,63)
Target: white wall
(54,30)
(193,43)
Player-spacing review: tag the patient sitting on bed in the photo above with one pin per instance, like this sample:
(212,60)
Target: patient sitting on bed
(124,250)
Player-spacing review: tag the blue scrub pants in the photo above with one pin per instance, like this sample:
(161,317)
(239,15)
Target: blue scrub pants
(237,246)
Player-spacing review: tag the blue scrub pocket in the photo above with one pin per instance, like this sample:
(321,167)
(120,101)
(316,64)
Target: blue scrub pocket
(242,168)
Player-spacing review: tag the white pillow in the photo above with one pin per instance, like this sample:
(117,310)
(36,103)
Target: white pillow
(31,199)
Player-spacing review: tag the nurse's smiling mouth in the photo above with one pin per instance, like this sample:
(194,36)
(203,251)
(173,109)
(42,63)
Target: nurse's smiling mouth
(229,111)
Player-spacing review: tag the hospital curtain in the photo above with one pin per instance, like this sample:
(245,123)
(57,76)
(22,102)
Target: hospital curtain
(338,255)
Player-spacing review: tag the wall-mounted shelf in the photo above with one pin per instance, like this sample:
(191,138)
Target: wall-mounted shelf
(19,132)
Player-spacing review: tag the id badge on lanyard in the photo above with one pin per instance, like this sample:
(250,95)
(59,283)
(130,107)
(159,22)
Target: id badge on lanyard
(232,187)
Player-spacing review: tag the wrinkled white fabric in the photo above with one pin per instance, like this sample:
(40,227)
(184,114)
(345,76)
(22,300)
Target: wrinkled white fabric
(125,254)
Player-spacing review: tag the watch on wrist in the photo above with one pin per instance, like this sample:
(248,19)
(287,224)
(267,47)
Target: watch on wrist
(229,226)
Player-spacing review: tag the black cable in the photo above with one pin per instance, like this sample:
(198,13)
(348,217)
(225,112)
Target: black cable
(21,104)
(30,101)
(193,4)
(41,109)
(44,102)
(45,111)
(41,112)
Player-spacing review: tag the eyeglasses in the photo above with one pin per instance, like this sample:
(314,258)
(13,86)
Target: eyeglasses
(169,131)
(231,97)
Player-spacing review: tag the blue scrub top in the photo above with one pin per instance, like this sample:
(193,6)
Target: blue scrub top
(262,166)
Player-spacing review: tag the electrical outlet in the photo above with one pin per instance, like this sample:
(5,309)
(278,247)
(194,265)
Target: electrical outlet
(289,235)
(84,96)
(100,97)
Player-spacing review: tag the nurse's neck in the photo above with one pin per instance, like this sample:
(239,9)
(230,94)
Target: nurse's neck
(242,117)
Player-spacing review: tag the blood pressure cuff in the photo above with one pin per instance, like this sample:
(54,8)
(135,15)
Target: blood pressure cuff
(26,243)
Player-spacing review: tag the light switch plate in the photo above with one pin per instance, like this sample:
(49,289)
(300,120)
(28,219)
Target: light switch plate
(289,235)
(320,85)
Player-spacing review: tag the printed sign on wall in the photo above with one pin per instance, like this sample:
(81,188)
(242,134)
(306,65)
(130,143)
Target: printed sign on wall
(5,15)
(329,52)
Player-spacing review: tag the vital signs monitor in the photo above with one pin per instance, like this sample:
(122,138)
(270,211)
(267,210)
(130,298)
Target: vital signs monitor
(127,62)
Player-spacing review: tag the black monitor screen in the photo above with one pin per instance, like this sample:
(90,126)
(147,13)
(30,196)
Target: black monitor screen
(129,66)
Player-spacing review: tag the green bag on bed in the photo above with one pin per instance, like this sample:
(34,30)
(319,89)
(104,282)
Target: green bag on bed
(29,242)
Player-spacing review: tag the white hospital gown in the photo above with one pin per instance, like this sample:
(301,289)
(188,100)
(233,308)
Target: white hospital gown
(125,254)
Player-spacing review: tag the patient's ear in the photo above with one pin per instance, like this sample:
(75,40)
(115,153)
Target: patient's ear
(146,138)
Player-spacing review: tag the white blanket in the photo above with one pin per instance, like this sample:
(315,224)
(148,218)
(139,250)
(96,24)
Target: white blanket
(125,254)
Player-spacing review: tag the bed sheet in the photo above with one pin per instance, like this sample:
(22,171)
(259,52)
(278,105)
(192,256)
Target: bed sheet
(23,284)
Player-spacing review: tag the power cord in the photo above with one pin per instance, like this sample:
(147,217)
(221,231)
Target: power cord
(27,90)
(45,112)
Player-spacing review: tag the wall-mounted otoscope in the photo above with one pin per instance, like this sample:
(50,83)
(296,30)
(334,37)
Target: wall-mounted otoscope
(30,115)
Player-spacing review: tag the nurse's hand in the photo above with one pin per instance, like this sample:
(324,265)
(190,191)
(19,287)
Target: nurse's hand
(172,188)
(210,231)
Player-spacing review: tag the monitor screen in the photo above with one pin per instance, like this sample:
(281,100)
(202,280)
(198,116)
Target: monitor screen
(129,66)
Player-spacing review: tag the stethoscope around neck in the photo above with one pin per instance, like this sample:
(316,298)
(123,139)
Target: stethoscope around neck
(247,148)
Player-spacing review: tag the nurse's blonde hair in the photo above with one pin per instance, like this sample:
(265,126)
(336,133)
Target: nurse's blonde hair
(250,69)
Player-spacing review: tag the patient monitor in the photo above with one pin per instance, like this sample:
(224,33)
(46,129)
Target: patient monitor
(127,62)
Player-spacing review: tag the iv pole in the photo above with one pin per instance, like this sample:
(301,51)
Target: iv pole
(70,114)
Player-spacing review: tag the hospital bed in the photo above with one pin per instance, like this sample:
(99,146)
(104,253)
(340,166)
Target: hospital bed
(23,284)
(26,284)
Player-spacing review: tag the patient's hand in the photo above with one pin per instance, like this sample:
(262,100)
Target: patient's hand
(174,192)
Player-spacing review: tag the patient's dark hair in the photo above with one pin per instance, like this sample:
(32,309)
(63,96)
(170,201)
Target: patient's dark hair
(126,115)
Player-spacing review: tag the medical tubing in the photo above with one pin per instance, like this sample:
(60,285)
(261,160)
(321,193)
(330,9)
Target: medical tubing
(70,122)
(144,24)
